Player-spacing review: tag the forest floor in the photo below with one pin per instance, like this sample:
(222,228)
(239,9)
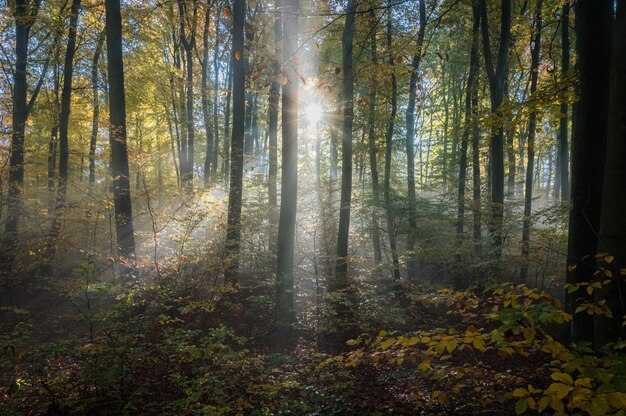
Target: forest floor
(180,348)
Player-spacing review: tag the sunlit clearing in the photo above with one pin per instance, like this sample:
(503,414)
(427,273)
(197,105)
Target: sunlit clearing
(313,112)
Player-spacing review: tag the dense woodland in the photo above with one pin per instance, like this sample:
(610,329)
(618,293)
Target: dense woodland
(312,207)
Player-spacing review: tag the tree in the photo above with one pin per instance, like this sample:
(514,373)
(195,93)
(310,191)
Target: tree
(612,238)
(563,151)
(339,284)
(96,108)
(208,158)
(497,76)
(410,144)
(188,42)
(124,231)
(233,231)
(532,126)
(391,227)
(594,20)
(372,149)
(285,312)
(25,14)
(471,113)
(274,97)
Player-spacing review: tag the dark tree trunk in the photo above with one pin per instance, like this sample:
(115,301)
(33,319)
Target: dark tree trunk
(410,145)
(285,312)
(613,222)
(471,113)
(96,109)
(208,158)
(64,119)
(497,76)
(226,144)
(117,133)
(340,284)
(594,20)
(372,148)
(233,232)
(25,13)
(274,97)
(532,126)
(563,155)
(391,228)
(188,41)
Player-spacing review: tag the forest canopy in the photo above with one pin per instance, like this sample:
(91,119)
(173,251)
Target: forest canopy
(320,207)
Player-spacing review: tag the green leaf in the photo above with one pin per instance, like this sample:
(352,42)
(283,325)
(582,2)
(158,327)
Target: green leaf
(521,406)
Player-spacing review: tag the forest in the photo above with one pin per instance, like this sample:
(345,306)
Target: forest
(312,207)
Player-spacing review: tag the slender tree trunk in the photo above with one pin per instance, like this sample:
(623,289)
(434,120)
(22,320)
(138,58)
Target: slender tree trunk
(226,144)
(410,146)
(25,13)
(205,98)
(96,109)
(470,120)
(285,312)
(233,232)
(340,284)
(532,126)
(216,96)
(188,42)
(613,223)
(372,148)
(594,39)
(274,97)
(125,237)
(497,76)
(54,133)
(64,119)
(563,155)
(391,228)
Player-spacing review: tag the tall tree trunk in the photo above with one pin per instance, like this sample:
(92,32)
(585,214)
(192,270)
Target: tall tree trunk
(205,98)
(96,109)
(497,76)
(274,97)
(613,222)
(25,13)
(216,96)
(54,133)
(563,155)
(188,41)
(226,144)
(64,121)
(410,145)
(125,236)
(532,126)
(391,228)
(594,21)
(233,231)
(471,113)
(372,148)
(285,312)
(339,284)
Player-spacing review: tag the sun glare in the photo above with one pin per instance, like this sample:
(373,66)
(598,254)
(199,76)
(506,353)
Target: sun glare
(314,112)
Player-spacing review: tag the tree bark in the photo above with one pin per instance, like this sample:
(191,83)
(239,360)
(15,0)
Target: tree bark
(25,14)
(125,237)
(410,146)
(285,312)
(563,155)
(233,231)
(96,109)
(532,127)
(372,149)
(613,223)
(497,76)
(471,113)
(594,38)
(274,97)
(208,157)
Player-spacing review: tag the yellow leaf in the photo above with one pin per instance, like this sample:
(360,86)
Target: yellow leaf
(533,389)
(520,392)
(562,377)
(479,344)
(530,333)
(609,259)
(583,382)
(543,403)
(451,345)
(424,366)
